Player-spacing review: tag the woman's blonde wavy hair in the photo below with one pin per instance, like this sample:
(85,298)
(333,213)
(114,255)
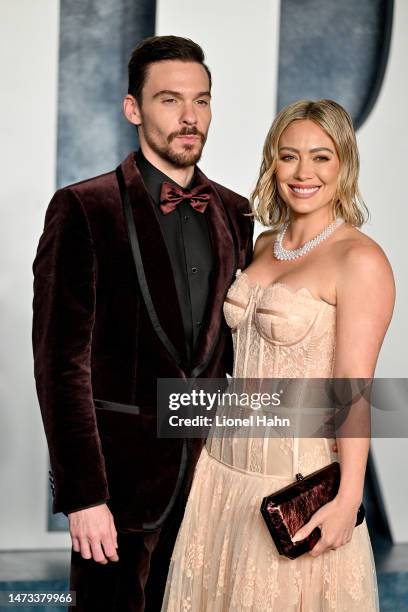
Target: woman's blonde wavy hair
(268,206)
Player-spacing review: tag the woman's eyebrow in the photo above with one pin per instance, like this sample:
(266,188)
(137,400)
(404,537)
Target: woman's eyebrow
(314,150)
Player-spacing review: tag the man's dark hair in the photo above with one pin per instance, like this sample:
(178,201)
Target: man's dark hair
(158,49)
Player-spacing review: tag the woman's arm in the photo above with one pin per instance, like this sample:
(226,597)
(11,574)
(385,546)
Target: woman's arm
(365,300)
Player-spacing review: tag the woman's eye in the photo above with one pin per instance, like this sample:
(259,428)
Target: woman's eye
(322,158)
(287,157)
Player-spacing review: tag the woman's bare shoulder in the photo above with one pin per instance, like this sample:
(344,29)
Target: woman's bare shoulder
(353,243)
(359,255)
(264,241)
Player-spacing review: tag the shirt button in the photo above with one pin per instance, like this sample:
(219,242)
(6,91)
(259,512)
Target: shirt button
(194,270)
(186,218)
(198,323)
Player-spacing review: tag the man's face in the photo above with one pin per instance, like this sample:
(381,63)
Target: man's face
(175,111)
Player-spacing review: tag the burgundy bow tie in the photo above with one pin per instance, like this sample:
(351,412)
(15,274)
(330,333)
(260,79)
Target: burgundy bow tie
(171,195)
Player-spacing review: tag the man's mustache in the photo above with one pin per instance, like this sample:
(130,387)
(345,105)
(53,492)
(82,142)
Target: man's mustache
(193,131)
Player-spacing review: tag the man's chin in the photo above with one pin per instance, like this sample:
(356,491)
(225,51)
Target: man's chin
(186,156)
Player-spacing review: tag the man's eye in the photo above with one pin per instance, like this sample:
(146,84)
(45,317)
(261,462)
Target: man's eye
(169,100)
(203,102)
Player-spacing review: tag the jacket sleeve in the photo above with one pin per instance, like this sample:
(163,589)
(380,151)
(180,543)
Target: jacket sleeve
(63,318)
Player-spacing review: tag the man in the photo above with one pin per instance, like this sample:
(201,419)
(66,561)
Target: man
(130,277)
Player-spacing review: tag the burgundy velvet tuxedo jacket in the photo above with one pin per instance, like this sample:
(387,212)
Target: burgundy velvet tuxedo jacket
(107,324)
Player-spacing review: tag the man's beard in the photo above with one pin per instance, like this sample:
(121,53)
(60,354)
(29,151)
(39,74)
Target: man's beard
(188,157)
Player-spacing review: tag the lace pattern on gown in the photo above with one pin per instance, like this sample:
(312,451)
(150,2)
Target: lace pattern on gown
(224,559)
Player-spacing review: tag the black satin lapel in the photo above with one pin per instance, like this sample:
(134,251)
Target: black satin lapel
(225,262)
(159,291)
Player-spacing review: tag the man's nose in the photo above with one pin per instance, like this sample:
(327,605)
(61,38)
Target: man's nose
(188,114)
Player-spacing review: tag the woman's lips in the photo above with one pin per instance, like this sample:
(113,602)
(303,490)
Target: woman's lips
(303,191)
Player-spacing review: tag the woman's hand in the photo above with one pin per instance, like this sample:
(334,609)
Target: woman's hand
(336,521)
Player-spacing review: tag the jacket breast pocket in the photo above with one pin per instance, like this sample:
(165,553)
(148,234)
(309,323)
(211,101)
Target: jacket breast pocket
(116,407)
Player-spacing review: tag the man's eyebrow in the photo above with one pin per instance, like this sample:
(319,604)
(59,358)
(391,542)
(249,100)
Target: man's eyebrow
(167,92)
(315,150)
(177,94)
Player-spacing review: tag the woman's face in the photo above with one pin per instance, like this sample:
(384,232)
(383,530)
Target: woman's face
(307,168)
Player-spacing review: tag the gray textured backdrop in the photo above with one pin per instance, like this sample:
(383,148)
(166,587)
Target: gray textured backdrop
(332,49)
(96,38)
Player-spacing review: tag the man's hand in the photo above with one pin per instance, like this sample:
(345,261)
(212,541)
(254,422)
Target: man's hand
(93,534)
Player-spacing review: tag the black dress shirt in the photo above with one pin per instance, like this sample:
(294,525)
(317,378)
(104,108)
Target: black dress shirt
(188,242)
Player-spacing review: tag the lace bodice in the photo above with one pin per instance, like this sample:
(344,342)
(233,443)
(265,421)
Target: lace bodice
(278,332)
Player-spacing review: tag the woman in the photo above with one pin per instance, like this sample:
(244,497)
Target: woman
(303,309)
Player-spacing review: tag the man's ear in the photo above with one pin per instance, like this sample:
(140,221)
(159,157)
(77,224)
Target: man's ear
(131,110)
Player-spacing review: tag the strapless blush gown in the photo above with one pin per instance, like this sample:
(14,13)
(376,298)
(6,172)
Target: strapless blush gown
(224,559)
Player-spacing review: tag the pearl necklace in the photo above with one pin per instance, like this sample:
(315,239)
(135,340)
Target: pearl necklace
(287,254)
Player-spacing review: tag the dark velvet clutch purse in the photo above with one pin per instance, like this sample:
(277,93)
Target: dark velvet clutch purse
(288,509)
